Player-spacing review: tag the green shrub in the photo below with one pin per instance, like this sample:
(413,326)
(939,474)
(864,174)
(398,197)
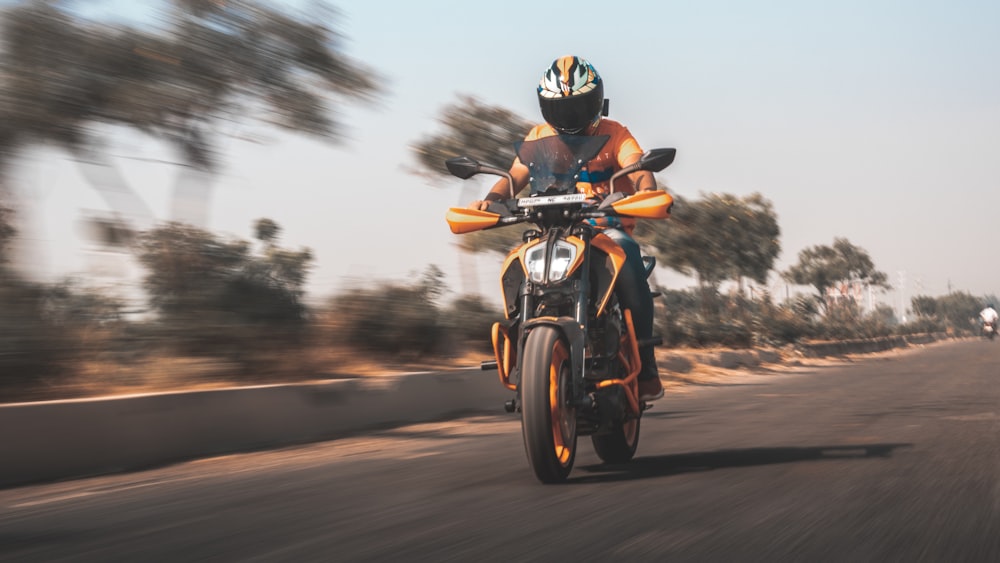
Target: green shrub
(469,320)
(34,350)
(392,318)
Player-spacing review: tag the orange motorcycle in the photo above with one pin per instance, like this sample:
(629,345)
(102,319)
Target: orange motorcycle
(566,348)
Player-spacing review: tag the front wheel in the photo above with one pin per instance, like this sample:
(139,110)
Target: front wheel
(548,417)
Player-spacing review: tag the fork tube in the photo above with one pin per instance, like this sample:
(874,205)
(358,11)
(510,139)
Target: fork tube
(582,312)
(583,297)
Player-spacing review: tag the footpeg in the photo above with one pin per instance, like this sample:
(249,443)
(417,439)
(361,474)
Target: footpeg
(510,406)
(488,365)
(647,342)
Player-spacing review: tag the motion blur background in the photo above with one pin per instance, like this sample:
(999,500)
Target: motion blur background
(183,177)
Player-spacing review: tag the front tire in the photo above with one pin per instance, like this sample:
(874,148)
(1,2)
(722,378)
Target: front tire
(548,417)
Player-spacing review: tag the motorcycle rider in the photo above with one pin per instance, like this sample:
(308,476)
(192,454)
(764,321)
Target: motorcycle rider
(989,315)
(571,99)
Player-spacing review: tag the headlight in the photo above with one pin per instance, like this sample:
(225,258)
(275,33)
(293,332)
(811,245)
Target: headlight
(535,260)
(563,255)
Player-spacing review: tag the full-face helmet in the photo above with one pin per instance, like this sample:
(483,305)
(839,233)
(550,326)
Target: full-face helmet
(571,95)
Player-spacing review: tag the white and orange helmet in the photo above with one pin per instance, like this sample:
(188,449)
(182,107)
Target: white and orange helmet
(571,95)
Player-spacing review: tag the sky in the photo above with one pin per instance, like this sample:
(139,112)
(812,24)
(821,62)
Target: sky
(875,120)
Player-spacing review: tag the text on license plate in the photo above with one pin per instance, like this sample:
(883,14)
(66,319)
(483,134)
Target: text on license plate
(550,200)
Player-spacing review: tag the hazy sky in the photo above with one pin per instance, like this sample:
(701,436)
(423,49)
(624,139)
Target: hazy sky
(878,121)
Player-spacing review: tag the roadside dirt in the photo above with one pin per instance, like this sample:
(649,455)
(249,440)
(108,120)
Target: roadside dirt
(169,374)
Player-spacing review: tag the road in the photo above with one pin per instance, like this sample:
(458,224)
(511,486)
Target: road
(894,458)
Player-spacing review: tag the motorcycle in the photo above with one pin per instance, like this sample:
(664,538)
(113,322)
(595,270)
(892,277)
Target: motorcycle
(566,348)
(989,330)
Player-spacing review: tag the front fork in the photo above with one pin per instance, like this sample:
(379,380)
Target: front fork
(573,329)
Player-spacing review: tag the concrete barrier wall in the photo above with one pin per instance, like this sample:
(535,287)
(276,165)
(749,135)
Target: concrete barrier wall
(62,439)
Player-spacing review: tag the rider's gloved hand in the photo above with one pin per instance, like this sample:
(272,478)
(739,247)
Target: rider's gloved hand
(605,222)
(484,203)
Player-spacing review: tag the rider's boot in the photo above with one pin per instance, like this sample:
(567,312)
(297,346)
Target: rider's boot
(650,387)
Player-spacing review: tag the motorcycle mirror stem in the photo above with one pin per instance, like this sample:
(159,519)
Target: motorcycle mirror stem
(614,197)
(466,167)
(653,160)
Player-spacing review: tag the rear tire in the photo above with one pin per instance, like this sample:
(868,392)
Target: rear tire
(548,417)
(620,445)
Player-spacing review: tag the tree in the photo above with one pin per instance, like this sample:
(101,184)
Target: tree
(471,128)
(924,306)
(958,309)
(266,231)
(825,267)
(7,233)
(717,238)
(485,133)
(392,318)
(470,319)
(210,65)
(196,280)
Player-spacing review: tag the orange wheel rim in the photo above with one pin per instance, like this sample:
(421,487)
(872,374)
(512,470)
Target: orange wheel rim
(630,429)
(562,416)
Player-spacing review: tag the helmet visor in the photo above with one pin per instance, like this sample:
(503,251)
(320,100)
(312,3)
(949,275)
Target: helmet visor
(572,114)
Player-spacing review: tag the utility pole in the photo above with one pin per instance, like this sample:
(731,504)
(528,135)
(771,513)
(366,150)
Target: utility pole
(902,295)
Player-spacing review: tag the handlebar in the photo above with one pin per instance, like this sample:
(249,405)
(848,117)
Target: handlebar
(526,214)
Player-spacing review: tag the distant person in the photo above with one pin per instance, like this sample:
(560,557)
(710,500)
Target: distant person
(571,98)
(989,315)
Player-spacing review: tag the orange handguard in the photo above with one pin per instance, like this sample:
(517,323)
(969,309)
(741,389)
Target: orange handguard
(645,205)
(463,220)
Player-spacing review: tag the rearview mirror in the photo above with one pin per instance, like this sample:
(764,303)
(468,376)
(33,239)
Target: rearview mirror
(462,166)
(465,167)
(655,160)
(652,160)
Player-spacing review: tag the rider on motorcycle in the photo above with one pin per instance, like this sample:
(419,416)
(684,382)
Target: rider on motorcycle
(571,98)
(989,315)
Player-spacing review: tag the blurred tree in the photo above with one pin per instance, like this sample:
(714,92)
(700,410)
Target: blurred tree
(824,267)
(717,238)
(198,280)
(209,65)
(470,321)
(471,128)
(485,133)
(924,306)
(34,348)
(266,230)
(884,314)
(71,303)
(958,309)
(392,318)
(431,285)
(7,233)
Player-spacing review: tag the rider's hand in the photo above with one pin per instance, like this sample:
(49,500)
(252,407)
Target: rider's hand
(482,204)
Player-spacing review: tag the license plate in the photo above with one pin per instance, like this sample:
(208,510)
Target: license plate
(540,201)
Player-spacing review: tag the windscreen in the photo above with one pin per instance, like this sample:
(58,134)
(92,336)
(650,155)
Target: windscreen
(555,162)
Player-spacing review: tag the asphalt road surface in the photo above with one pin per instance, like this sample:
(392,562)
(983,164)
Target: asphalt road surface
(894,458)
